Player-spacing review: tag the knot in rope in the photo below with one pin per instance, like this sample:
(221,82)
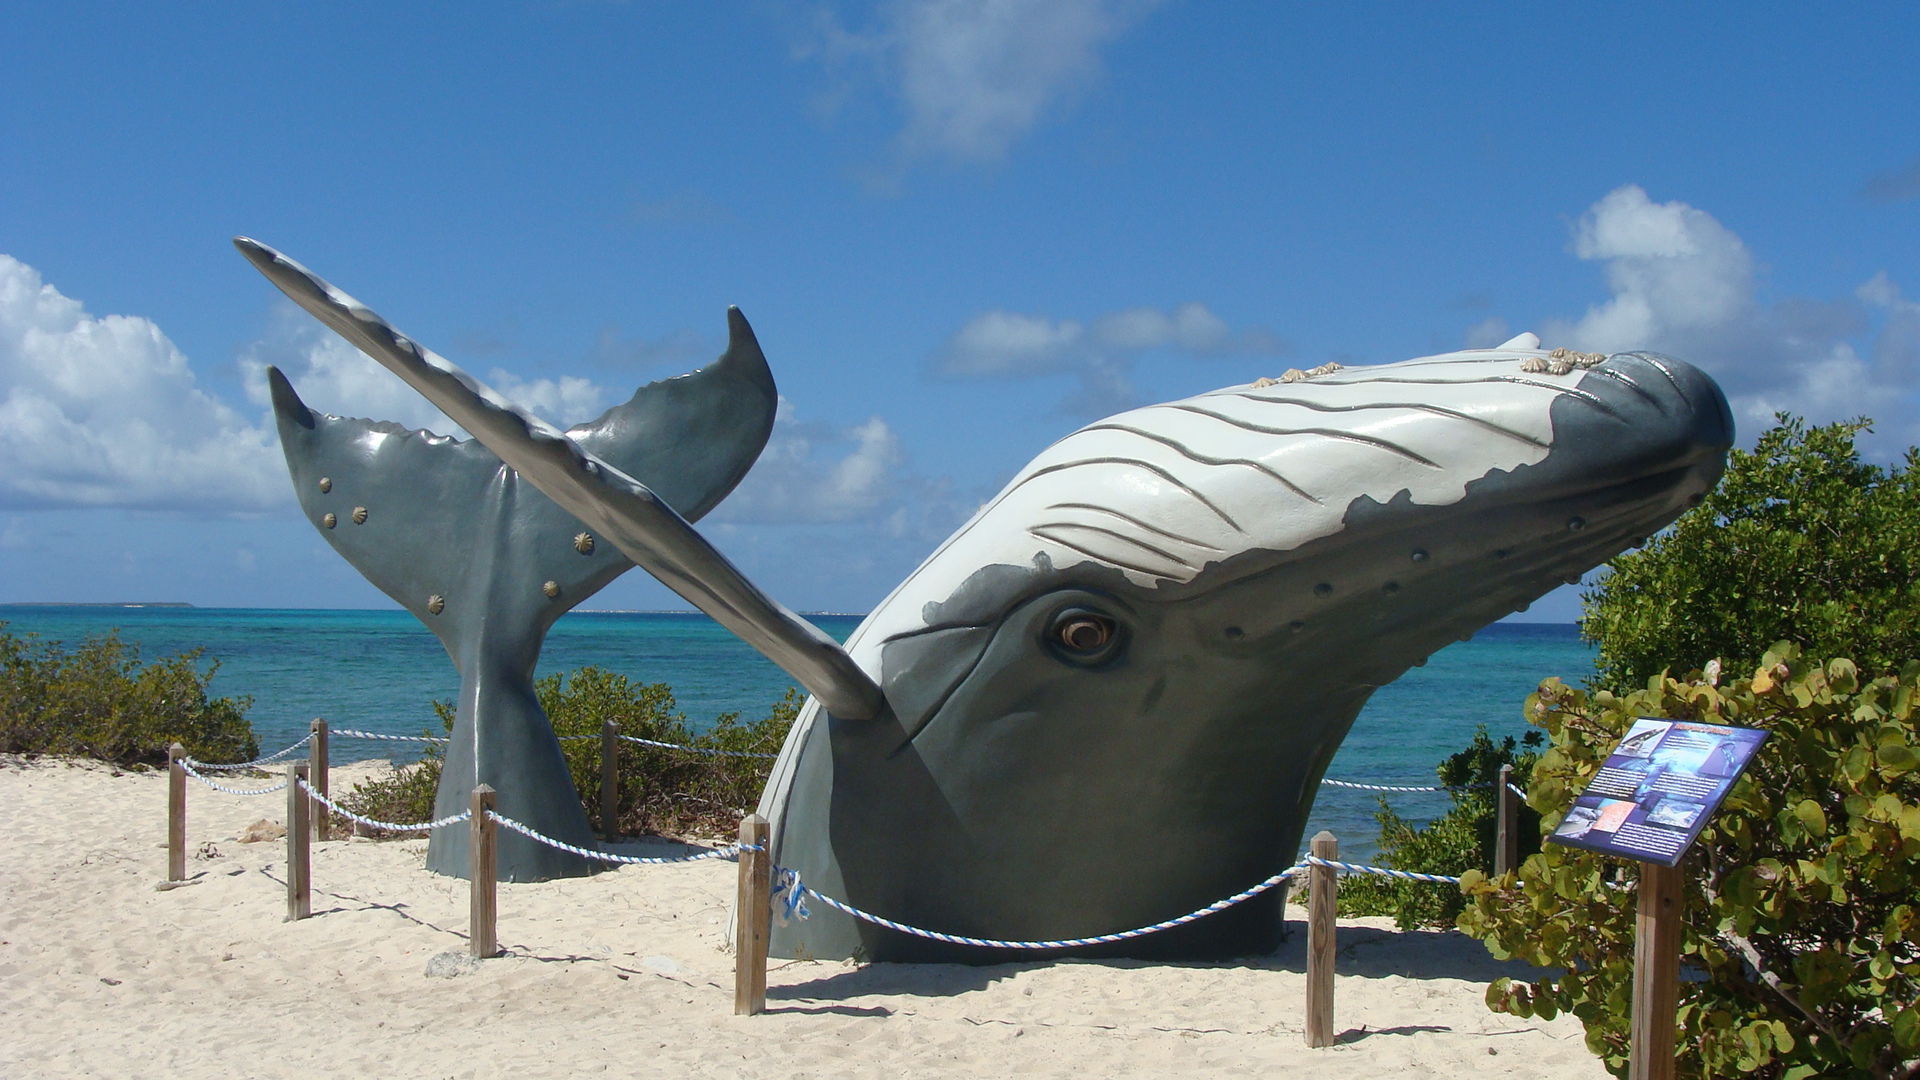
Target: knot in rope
(789,896)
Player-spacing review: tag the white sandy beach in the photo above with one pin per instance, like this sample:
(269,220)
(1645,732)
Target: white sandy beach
(625,973)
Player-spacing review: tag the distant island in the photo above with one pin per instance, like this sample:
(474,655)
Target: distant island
(129,603)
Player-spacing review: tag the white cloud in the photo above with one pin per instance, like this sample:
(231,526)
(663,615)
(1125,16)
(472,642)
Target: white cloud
(332,376)
(105,411)
(1100,353)
(974,76)
(1897,350)
(1009,343)
(812,473)
(1673,270)
(1683,283)
(565,401)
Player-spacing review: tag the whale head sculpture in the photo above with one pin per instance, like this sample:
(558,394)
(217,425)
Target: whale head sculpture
(1109,697)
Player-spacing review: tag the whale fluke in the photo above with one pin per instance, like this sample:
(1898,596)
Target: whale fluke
(612,502)
(488,563)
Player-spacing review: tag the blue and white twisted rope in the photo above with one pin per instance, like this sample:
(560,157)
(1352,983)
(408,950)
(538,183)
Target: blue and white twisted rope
(350,733)
(256,762)
(728,852)
(792,885)
(1400,787)
(389,826)
(188,768)
(790,894)
(1356,868)
(695,749)
(674,746)
(1516,791)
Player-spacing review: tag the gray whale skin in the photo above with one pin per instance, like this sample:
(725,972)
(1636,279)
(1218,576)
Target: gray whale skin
(1109,698)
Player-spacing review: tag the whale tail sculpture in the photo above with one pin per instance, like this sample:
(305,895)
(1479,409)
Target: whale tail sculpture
(488,563)
(1165,624)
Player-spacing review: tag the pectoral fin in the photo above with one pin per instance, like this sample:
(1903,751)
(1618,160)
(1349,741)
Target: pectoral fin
(610,502)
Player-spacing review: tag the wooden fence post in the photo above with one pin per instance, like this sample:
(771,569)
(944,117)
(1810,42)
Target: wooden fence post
(176,813)
(1323,883)
(322,817)
(1656,973)
(299,864)
(1506,840)
(483,936)
(610,781)
(753,915)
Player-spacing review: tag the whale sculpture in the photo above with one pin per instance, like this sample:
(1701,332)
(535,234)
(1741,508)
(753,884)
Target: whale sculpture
(1108,699)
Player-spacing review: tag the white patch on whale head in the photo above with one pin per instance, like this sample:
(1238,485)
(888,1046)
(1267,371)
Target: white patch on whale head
(1162,491)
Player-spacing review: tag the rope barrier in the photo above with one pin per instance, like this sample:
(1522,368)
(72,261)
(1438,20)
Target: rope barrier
(349,733)
(1402,787)
(275,756)
(675,746)
(1516,790)
(425,826)
(353,733)
(1355,868)
(793,886)
(790,891)
(728,852)
(188,768)
(689,749)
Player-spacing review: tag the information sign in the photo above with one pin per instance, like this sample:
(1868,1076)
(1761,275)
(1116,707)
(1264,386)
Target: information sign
(1657,789)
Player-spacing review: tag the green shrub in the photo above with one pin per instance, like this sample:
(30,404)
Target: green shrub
(1461,839)
(662,792)
(99,701)
(404,797)
(1802,895)
(1802,541)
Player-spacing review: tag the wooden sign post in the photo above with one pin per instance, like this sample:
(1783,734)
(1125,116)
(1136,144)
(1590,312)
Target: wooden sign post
(1656,973)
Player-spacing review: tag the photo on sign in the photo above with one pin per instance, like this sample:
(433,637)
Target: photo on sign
(1676,814)
(1657,789)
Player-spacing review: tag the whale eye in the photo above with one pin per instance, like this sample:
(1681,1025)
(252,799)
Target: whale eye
(1085,633)
(1082,635)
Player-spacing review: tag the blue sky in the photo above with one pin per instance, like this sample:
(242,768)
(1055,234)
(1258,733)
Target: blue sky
(960,230)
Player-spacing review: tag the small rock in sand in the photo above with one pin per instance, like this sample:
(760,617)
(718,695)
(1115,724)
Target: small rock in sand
(262,830)
(451,965)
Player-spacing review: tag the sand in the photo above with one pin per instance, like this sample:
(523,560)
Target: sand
(625,973)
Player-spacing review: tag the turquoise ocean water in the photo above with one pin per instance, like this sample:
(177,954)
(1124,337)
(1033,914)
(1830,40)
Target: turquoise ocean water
(380,671)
